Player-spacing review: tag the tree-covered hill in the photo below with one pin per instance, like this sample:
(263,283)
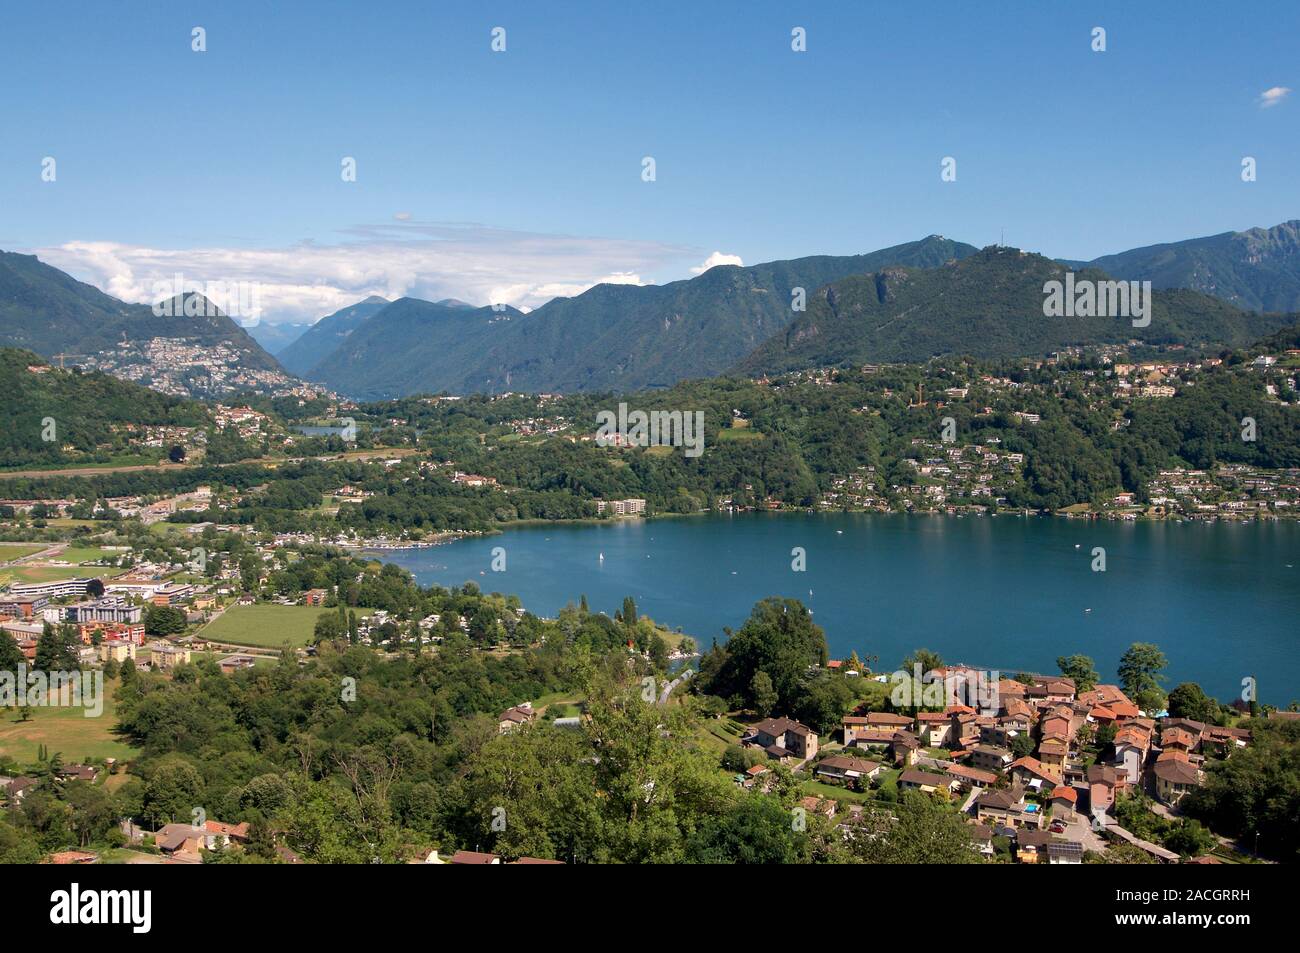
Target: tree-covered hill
(790,441)
(410,344)
(1258,269)
(322,338)
(90,412)
(988,305)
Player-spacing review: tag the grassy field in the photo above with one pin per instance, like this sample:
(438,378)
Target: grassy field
(267,625)
(835,792)
(93,466)
(889,780)
(85,554)
(163,528)
(64,730)
(51,573)
(10,551)
(560,700)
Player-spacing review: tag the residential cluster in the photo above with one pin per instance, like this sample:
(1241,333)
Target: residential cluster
(184,368)
(1029,770)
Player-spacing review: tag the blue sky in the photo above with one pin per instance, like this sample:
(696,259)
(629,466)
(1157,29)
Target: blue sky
(516,175)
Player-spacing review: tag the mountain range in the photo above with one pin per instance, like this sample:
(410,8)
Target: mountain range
(611,337)
(328,334)
(1215,290)
(1258,269)
(988,305)
(907,302)
(275,337)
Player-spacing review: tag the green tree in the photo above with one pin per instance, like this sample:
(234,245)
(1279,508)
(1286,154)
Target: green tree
(267,794)
(10,655)
(164,620)
(778,638)
(763,695)
(1022,745)
(250,572)
(1188,700)
(1121,854)
(94,812)
(1081,669)
(755,830)
(1254,796)
(929,661)
(328,628)
(16,847)
(738,758)
(1190,838)
(921,830)
(57,649)
(172,791)
(826,699)
(1140,675)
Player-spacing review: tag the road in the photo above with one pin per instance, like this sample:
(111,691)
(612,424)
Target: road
(137,467)
(668,689)
(1078,827)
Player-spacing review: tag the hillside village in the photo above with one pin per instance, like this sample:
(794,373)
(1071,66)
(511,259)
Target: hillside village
(184,369)
(1052,805)
(974,476)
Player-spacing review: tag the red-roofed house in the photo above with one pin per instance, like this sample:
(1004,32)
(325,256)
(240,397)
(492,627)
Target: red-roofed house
(1030,773)
(1064,798)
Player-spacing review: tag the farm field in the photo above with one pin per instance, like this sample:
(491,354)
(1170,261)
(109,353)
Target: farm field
(266,625)
(66,731)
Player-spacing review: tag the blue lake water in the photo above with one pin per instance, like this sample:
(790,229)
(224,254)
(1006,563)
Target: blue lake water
(1221,599)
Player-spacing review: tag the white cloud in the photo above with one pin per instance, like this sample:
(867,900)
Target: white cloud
(717,258)
(1273,96)
(510,293)
(304,282)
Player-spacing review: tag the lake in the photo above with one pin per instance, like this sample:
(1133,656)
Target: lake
(1222,600)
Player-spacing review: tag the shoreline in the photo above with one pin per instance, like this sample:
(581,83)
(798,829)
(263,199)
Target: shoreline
(453,536)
